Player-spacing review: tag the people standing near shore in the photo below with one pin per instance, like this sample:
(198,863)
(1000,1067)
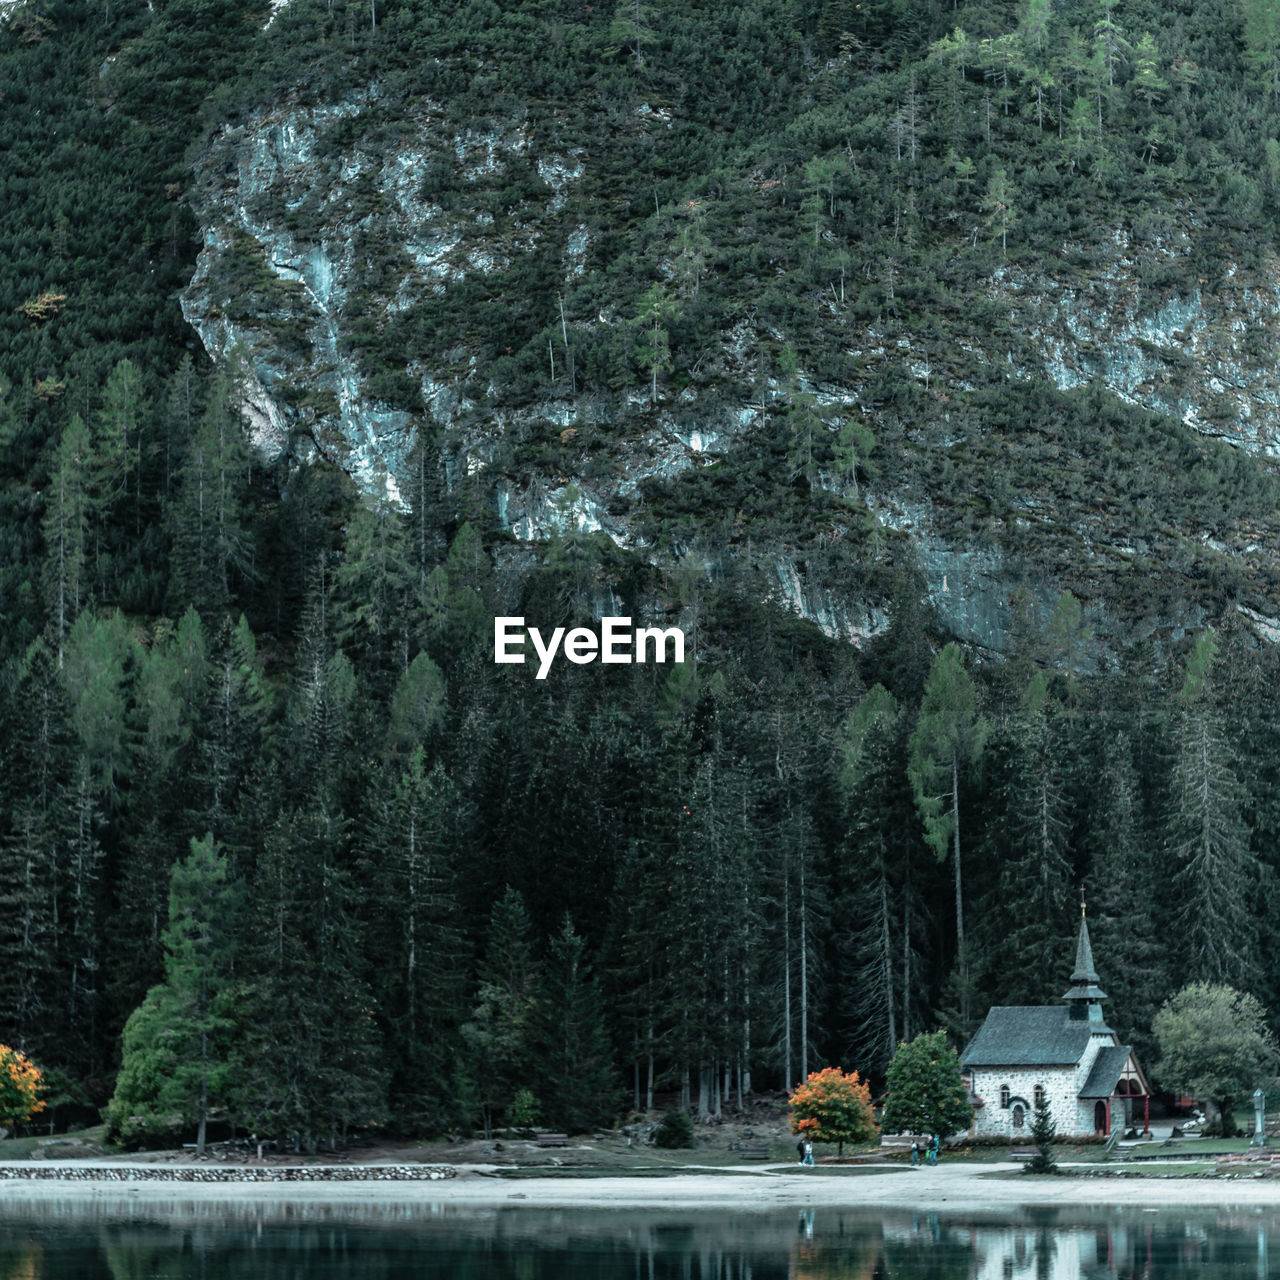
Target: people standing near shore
(808,1153)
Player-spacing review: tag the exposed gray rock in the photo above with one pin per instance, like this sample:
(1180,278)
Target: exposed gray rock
(1205,356)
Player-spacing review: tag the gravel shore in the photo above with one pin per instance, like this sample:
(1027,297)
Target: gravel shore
(957,1186)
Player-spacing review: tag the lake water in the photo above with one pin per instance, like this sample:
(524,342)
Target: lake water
(118,1239)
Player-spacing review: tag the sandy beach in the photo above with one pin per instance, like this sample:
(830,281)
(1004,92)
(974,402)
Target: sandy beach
(947,1187)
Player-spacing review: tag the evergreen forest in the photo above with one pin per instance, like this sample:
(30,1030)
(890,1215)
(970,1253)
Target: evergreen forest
(281,845)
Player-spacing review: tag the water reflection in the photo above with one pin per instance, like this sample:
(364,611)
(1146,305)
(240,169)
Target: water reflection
(115,1238)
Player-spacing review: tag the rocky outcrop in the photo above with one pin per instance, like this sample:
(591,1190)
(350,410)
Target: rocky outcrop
(290,217)
(1205,355)
(325,234)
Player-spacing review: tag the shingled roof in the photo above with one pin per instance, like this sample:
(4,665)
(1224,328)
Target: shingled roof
(1105,1074)
(1028,1036)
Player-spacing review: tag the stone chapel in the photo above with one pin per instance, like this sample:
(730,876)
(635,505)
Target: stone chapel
(1063,1054)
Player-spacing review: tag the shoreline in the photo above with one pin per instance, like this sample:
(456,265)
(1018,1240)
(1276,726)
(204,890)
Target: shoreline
(764,1187)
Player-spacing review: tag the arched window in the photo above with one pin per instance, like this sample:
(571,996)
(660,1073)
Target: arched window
(1018,1114)
(1004,1095)
(1039,1097)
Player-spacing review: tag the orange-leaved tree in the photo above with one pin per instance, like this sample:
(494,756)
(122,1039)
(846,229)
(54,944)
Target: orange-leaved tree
(21,1083)
(833,1107)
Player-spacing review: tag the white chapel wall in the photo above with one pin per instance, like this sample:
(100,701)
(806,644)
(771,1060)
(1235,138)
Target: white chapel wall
(1060,1089)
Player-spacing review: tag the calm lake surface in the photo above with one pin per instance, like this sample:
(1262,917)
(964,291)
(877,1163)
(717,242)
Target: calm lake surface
(116,1239)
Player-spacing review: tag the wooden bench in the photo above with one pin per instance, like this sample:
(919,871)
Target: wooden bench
(754,1153)
(552,1139)
(1022,1153)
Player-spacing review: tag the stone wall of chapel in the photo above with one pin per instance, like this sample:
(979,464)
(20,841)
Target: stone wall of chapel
(1061,1092)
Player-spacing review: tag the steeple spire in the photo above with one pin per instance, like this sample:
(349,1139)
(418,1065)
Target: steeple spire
(1084,971)
(1085,994)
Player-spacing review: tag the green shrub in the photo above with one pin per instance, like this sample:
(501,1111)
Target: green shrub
(675,1129)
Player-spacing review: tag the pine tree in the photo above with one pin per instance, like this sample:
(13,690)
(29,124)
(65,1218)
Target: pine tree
(998,203)
(66,531)
(40,756)
(807,432)
(117,435)
(167,706)
(633,951)
(1109,42)
(1147,83)
(81,920)
(1122,877)
(370,586)
(310,1065)
(453,608)
(1043,1132)
(799,897)
(578,1087)
(950,734)
(653,341)
(99,654)
(318,718)
(408,867)
(177,1064)
(881,904)
(1214,872)
(417,706)
(711,961)
(182,412)
(1029,840)
(212,546)
(501,1031)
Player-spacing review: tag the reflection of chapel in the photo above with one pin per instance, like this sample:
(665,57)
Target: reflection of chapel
(1063,1054)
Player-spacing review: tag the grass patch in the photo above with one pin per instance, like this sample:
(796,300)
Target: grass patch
(59,1146)
(1084,1153)
(1193,1148)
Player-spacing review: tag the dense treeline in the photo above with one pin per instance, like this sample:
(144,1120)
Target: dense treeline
(281,842)
(430,882)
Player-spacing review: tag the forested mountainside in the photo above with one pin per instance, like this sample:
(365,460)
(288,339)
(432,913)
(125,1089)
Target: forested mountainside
(916,359)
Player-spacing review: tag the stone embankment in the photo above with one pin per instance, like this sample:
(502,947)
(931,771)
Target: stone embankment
(232,1173)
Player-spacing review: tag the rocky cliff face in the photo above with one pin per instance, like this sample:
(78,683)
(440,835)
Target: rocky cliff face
(322,228)
(292,208)
(292,217)
(1206,357)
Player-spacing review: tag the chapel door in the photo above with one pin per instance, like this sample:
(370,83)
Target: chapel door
(1100,1117)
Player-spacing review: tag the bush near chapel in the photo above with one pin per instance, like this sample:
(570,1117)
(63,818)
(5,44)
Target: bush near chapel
(833,1107)
(1215,1044)
(926,1090)
(21,1083)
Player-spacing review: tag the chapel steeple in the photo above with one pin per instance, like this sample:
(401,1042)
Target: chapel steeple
(1085,995)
